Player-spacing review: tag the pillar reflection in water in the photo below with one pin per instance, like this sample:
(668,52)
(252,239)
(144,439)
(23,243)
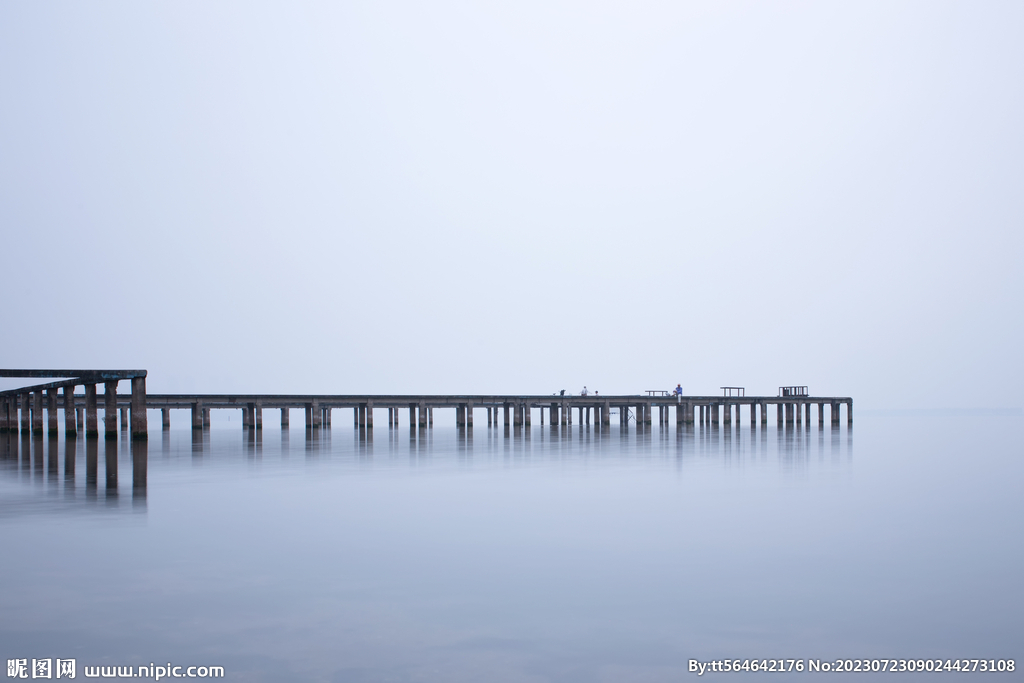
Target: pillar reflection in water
(110,466)
(140,471)
(70,454)
(91,466)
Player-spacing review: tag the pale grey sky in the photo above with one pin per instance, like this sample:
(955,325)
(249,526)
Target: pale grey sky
(518,197)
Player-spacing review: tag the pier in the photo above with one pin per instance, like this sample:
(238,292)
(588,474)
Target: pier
(26,409)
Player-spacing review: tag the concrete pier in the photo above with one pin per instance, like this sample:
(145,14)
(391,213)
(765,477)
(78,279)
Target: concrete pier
(70,413)
(91,421)
(562,410)
(110,409)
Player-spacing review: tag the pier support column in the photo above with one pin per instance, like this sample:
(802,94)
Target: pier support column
(849,413)
(369,414)
(165,418)
(623,417)
(124,418)
(505,408)
(715,416)
(197,416)
(412,417)
(37,412)
(469,415)
(259,415)
(51,411)
(517,415)
(727,414)
(821,415)
(799,410)
(317,417)
(423,415)
(285,417)
(4,401)
(430,416)
(834,413)
(606,414)
(70,423)
(140,423)
(206,417)
(110,409)
(246,419)
(91,422)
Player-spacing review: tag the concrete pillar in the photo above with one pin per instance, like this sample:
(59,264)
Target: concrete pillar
(51,411)
(469,415)
(206,417)
(835,413)
(623,417)
(460,420)
(91,423)
(246,416)
(259,415)
(821,415)
(567,410)
(197,415)
(124,418)
(369,414)
(849,413)
(3,413)
(165,418)
(727,414)
(412,416)
(285,417)
(423,415)
(37,412)
(70,425)
(517,414)
(317,416)
(505,409)
(110,409)
(80,412)
(799,410)
(680,414)
(430,417)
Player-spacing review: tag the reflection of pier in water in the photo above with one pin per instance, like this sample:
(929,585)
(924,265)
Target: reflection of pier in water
(69,469)
(30,423)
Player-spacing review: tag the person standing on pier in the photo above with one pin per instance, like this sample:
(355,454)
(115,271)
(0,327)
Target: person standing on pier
(678,392)
(584,392)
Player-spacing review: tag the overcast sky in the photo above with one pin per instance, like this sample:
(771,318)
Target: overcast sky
(518,197)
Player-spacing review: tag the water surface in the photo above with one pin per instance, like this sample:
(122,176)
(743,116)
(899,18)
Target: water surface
(555,555)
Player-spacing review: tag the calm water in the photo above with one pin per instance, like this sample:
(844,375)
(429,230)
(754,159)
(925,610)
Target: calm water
(558,556)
